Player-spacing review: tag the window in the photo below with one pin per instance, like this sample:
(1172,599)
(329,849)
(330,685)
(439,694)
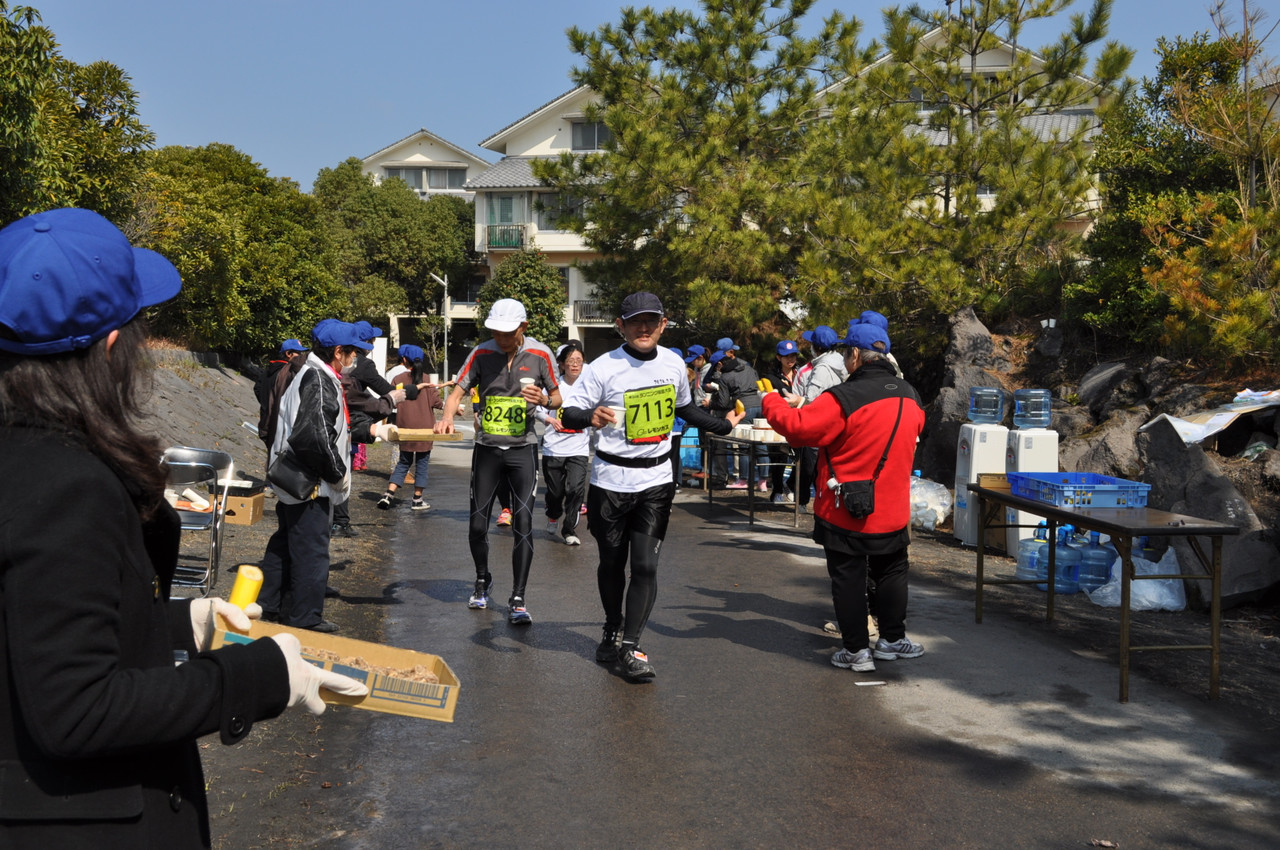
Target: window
(446,178)
(552,207)
(506,209)
(564,278)
(412,176)
(590,135)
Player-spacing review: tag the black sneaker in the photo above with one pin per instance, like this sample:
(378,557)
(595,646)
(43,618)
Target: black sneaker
(384,504)
(607,651)
(632,664)
(343,531)
(324,627)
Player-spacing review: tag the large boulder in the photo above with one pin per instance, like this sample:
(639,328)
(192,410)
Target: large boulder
(1185,479)
(1109,448)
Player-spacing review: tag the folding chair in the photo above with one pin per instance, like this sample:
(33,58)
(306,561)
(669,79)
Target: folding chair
(206,473)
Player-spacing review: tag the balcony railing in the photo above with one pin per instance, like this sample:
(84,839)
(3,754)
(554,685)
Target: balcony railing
(590,312)
(505,235)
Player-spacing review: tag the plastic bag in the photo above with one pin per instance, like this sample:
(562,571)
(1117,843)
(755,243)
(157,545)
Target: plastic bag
(930,503)
(1165,594)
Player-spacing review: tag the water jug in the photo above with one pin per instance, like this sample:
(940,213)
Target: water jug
(986,405)
(1031,408)
(1095,563)
(1028,551)
(1066,575)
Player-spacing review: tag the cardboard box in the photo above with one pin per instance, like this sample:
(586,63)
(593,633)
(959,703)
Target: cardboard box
(388,694)
(245,510)
(997,533)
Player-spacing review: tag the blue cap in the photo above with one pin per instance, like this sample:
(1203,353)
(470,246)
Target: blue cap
(788,346)
(871,317)
(823,337)
(866,336)
(69,277)
(367,331)
(677,352)
(717,357)
(292,345)
(725,344)
(332,333)
(412,353)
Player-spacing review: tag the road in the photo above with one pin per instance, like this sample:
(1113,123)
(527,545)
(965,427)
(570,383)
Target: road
(999,736)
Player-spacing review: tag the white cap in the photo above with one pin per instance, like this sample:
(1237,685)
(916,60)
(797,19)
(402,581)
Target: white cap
(506,315)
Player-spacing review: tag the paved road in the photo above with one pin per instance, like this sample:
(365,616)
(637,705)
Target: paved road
(750,738)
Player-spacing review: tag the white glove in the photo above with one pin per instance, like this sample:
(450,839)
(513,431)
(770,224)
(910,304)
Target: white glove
(397,396)
(382,431)
(203,623)
(306,679)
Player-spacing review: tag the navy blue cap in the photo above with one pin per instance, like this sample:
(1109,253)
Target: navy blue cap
(332,333)
(862,335)
(639,303)
(69,277)
(788,346)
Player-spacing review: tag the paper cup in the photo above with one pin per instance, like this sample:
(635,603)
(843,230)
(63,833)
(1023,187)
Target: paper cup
(619,417)
(760,423)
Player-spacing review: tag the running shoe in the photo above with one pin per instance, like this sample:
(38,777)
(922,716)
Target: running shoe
(582,510)
(480,598)
(762,486)
(553,527)
(786,498)
(419,505)
(859,662)
(517,615)
(831,628)
(607,651)
(384,504)
(632,664)
(737,485)
(905,648)
(504,518)
(572,540)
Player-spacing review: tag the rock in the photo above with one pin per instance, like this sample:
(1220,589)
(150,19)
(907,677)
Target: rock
(1108,449)
(1185,479)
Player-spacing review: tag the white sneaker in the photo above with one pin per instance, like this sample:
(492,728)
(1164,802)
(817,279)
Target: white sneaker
(905,648)
(859,662)
(572,540)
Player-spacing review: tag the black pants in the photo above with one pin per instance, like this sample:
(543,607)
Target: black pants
(849,574)
(629,526)
(566,480)
(517,470)
(295,567)
(807,463)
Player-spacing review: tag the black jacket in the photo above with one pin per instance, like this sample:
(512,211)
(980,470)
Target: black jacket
(737,382)
(98,728)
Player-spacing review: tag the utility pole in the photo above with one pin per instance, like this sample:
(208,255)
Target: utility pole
(445,302)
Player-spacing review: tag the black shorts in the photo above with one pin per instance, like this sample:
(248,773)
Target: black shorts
(613,517)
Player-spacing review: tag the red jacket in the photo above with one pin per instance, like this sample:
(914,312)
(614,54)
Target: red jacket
(850,424)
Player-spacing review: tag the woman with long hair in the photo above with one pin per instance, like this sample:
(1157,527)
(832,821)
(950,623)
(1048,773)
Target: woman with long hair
(98,719)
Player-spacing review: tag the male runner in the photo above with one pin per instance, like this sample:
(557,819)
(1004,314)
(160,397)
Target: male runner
(512,373)
(631,481)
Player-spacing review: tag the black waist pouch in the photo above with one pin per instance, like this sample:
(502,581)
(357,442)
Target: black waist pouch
(859,498)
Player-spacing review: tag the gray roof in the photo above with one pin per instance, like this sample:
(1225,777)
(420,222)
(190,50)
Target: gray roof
(510,172)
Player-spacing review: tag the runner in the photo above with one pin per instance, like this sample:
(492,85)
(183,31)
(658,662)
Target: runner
(512,372)
(631,485)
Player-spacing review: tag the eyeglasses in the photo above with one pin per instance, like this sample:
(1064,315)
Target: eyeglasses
(648,320)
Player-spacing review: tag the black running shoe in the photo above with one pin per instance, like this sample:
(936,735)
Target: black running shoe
(633,664)
(607,651)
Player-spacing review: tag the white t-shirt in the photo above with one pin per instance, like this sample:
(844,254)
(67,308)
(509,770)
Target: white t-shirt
(650,391)
(564,443)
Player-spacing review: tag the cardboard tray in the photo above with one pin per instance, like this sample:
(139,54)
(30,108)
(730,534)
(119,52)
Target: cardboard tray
(387,694)
(418,435)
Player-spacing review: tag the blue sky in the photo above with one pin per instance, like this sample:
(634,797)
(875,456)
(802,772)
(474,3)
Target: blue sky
(300,85)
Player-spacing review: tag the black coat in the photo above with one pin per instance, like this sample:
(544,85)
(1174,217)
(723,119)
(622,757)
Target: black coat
(98,726)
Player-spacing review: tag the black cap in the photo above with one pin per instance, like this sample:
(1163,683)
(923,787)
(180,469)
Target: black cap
(640,302)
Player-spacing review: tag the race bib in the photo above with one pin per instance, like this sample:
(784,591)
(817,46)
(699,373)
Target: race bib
(503,416)
(651,412)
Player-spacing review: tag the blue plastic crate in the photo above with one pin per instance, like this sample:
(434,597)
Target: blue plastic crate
(1079,489)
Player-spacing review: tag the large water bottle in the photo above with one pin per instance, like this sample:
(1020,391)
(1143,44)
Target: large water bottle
(1066,575)
(1095,563)
(986,405)
(1031,409)
(1028,552)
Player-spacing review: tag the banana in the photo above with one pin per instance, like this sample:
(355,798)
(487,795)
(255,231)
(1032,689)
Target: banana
(738,407)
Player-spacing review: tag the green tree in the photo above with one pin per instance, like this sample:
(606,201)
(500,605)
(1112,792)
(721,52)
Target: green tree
(389,242)
(255,258)
(69,134)
(696,196)
(527,277)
